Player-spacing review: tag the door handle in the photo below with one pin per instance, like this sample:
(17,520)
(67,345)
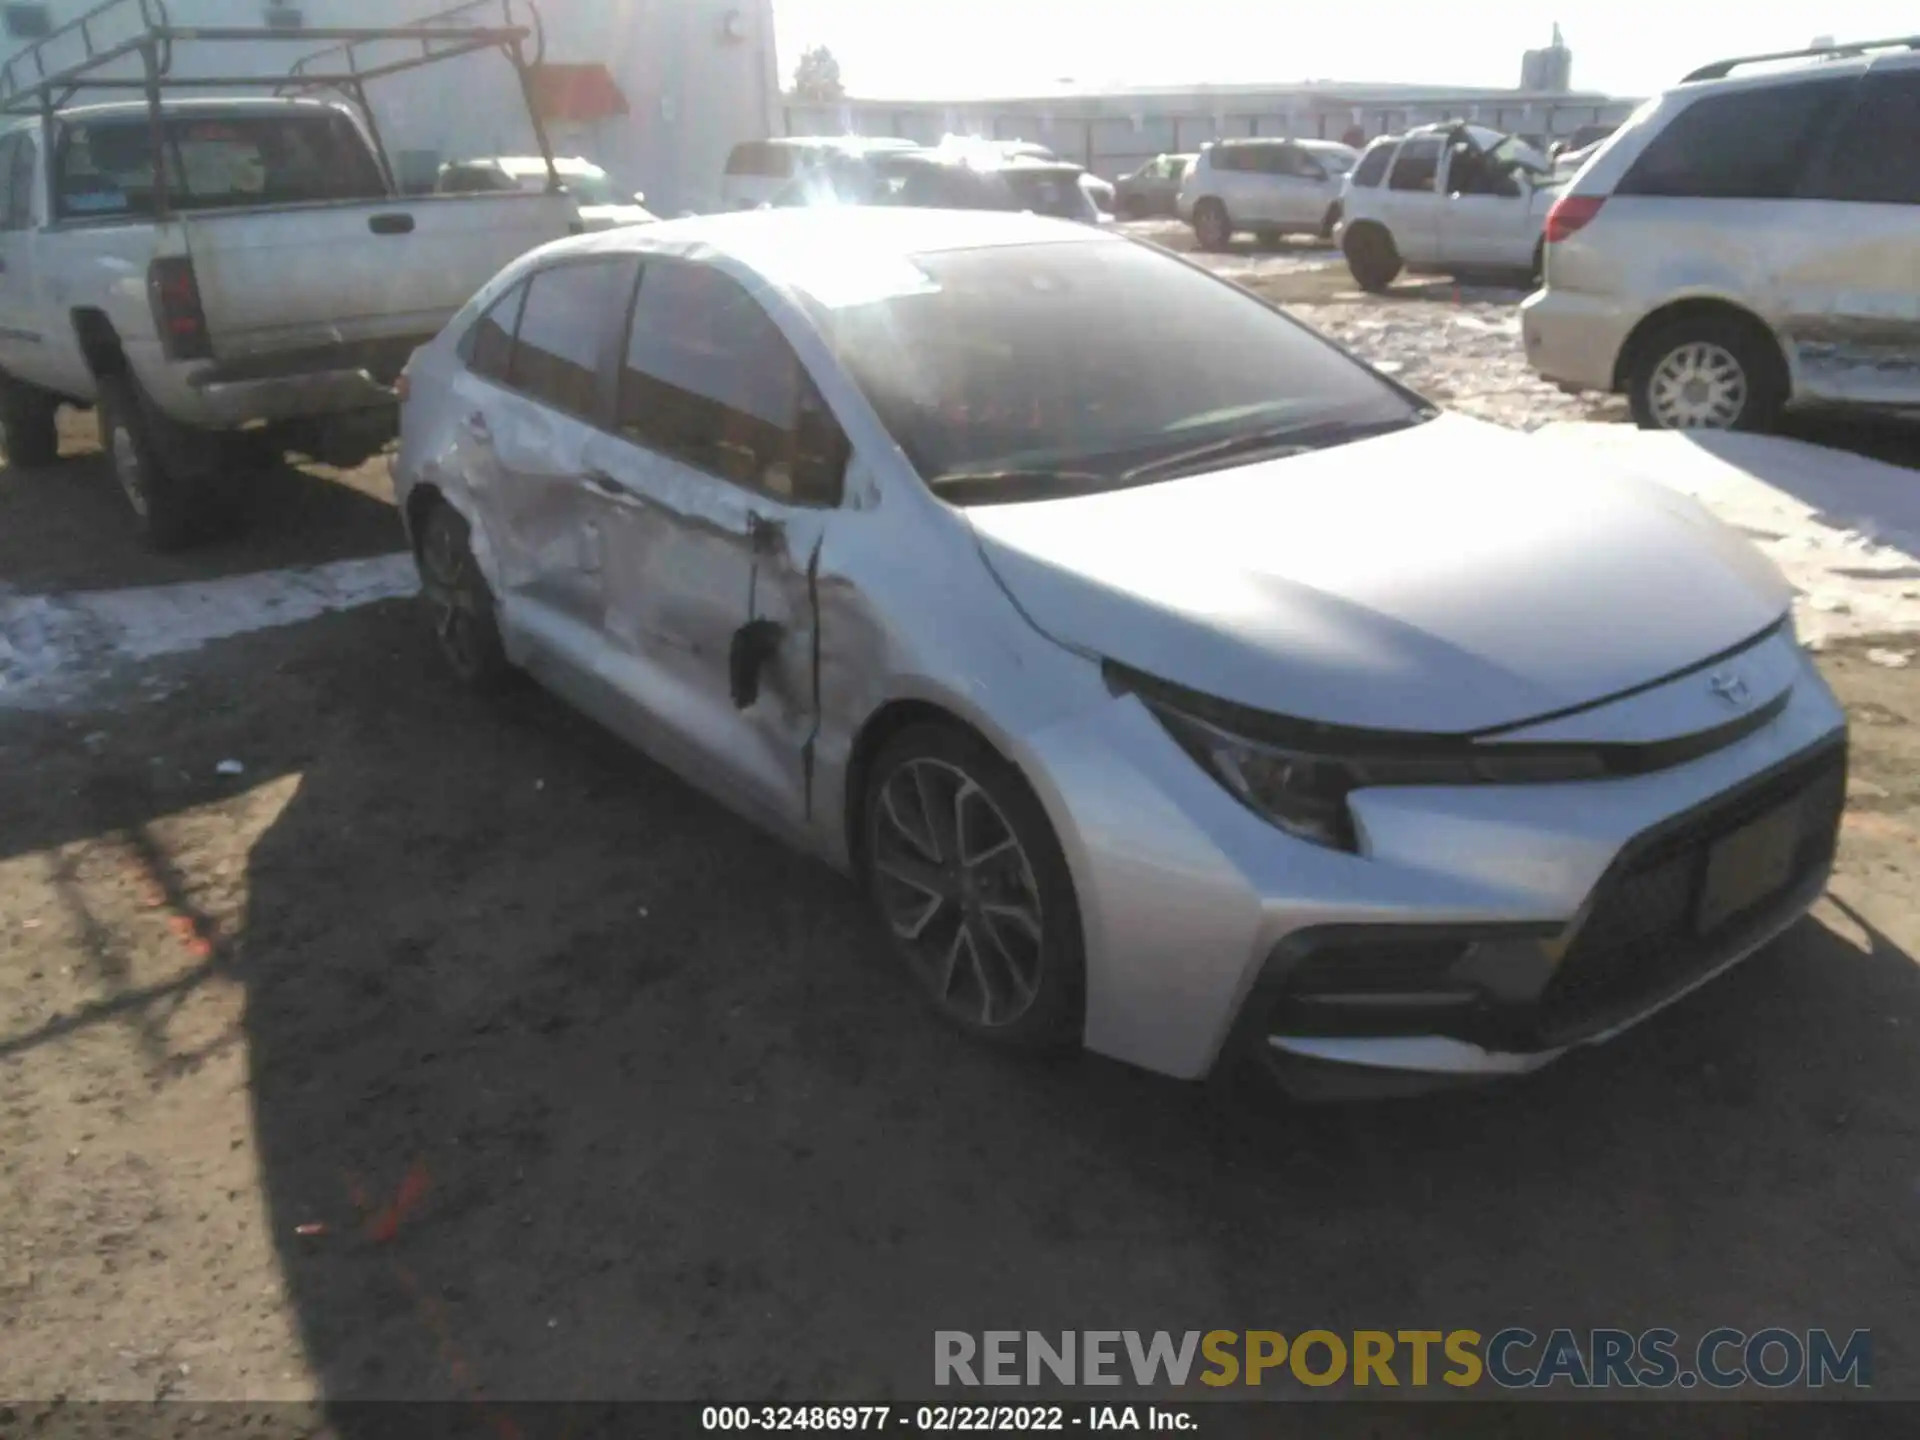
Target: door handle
(390,224)
(477,426)
(607,485)
(764,536)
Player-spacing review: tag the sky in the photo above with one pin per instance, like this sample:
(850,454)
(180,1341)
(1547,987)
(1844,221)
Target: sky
(952,49)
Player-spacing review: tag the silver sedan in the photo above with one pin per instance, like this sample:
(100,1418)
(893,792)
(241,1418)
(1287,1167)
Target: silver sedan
(1175,683)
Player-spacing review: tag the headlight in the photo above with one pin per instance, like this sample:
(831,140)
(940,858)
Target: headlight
(1303,786)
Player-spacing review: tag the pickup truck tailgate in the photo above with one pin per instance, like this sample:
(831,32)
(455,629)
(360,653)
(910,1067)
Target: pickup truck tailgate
(311,277)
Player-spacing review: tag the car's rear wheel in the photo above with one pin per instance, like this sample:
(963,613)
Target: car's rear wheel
(1267,237)
(1135,207)
(1211,227)
(1372,257)
(173,509)
(1707,372)
(973,888)
(465,622)
(29,434)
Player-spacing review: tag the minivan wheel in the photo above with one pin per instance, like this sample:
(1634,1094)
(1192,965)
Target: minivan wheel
(29,433)
(1211,227)
(1372,257)
(465,623)
(1707,372)
(972,886)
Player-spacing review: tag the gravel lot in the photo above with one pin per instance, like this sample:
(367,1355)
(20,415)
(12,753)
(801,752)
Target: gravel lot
(451,1050)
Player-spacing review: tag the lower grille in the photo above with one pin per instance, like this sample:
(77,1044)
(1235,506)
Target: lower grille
(1639,940)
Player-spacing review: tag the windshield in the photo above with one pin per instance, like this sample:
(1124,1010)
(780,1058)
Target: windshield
(1095,357)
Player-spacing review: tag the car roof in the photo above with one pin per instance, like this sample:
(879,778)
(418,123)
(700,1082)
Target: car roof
(819,250)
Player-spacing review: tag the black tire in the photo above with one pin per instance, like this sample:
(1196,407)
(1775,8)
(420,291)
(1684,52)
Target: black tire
(466,623)
(1267,238)
(1538,274)
(1036,966)
(171,508)
(1372,257)
(1720,341)
(1330,222)
(29,434)
(1212,229)
(1135,207)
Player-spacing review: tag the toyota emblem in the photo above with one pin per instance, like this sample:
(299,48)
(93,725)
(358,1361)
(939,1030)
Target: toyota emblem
(1729,687)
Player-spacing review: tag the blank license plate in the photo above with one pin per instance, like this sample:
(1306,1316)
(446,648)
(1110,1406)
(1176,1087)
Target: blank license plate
(1748,866)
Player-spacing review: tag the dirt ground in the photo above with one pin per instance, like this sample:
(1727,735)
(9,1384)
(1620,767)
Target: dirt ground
(451,1050)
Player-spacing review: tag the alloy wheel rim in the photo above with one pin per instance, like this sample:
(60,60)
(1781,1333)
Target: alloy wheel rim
(958,890)
(1697,386)
(455,621)
(128,470)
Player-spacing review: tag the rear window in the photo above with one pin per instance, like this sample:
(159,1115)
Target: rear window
(106,167)
(1050,192)
(1372,168)
(761,159)
(1743,145)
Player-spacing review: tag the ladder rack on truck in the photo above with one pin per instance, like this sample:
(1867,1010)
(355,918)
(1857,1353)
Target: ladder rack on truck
(34,82)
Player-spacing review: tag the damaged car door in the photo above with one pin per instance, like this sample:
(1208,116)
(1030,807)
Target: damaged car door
(717,480)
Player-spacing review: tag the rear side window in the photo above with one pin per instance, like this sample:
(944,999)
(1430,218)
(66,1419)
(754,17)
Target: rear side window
(1372,168)
(568,310)
(1417,167)
(106,167)
(487,348)
(1875,157)
(760,159)
(1746,145)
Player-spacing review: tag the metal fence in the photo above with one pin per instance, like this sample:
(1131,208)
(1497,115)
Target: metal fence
(1091,133)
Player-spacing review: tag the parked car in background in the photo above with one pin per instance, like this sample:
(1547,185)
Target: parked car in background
(757,170)
(1111,627)
(944,179)
(1270,187)
(257,295)
(1153,189)
(1445,200)
(1745,244)
(1583,140)
(1100,191)
(601,204)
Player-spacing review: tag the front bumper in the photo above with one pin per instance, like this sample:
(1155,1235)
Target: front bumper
(1572,339)
(1205,926)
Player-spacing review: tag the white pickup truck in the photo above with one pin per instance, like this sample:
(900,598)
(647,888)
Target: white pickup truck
(256,294)
(1445,200)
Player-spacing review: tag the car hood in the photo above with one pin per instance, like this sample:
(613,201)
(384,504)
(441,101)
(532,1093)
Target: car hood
(1448,578)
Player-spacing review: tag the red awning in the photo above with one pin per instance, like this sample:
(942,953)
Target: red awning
(576,93)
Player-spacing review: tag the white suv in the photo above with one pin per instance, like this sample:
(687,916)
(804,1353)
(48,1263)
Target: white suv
(1271,187)
(1745,243)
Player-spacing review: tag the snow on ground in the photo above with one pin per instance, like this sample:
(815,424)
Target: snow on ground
(48,643)
(1844,529)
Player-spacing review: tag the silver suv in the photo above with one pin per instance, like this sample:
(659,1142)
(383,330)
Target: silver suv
(1271,187)
(1745,243)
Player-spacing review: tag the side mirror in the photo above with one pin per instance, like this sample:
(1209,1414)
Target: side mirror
(639,197)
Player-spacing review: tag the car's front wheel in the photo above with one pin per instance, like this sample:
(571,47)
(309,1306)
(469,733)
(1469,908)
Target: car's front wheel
(1211,227)
(965,871)
(1709,372)
(29,433)
(1371,256)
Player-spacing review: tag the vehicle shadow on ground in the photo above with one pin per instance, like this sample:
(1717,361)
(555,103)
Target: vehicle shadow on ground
(598,1093)
(67,526)
(1870,491)
(568,1084)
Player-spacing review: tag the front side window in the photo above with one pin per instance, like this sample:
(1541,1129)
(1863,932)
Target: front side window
(19,208)
(709,380)
(1091,357)
(1417,167)
(1743,145)
(568,310)
(1875,156)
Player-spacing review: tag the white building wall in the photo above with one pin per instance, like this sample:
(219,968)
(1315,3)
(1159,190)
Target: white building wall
(693,89)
